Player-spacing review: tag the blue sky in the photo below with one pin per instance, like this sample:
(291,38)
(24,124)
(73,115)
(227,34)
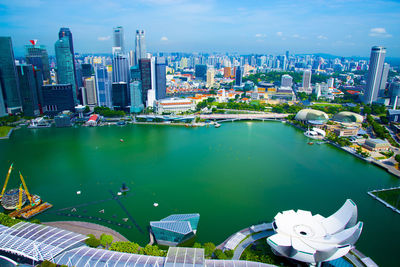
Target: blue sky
(339,27)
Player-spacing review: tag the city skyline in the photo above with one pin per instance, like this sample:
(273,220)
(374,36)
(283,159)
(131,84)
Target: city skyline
(210,26)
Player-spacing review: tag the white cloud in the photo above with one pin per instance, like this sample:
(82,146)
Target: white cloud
(296,36)
(279,33)
(379,32)
(164,39)
(322,37)
(104,38)
(260,35)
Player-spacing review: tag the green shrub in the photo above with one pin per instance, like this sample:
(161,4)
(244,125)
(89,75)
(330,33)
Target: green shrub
(125,246)
(92,241)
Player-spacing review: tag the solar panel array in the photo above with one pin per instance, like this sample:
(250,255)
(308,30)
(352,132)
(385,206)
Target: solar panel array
(235,263)
(37,241)
(85,256)
(3,228)
(180,257)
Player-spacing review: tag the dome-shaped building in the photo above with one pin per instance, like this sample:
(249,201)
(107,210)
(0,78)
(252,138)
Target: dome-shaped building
(348,117)
(311,115)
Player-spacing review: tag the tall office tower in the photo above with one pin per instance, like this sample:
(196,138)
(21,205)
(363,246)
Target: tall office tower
(27,85)
(8,76)
(227,72)
(37,56)
(145,77)
(160,78)
(132,61)
(57,98)
(120,66)
(136,97)
(385,74)
(103,85)
(91,92)
(286,80)
(140,46)
(307,81)
(39,82)
(376,61)
(118,36)
(66,32)
(331,82)
(120,95)
(238,76)
(3,111)
(87,70)
(287,54)
(200,71)
(151,94)
(394,90)
(135,73)
(210,77)
(65,65)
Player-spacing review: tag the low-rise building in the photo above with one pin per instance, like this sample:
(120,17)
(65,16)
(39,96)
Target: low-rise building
(93,120)
(376,145)
(174,105)
(346,132)
(62,120)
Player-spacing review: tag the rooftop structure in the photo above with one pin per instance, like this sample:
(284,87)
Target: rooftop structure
(313,238)
(175,228)
(348,117)
(376,145)
(311,115)
(36,241)
(174,105)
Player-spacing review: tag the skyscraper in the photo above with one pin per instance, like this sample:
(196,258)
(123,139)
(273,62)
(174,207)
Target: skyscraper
(376,61)
(120,66)
(118,36)
(160,78)
(103,85)
(8,76)
(57,98)
(385,74)
(135,73)
(200,71)
(120,95)
(27,83)
(145,76)
(238,76)
(286,80)
(3,111)
(136,97)
(66,32)
(65,65)
(307,81)
(210,77)
(38,57)
(91,92)
(140,46)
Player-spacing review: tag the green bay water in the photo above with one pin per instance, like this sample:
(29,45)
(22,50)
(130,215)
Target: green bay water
(235,176)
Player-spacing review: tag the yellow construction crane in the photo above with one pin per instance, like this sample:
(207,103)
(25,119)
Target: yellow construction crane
(20,198)
(7,177)
(26,189)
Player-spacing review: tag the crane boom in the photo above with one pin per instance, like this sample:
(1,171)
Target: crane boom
(20,198)
(26,188)
(7,177)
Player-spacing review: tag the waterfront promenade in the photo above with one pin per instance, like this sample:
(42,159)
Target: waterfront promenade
(257,116)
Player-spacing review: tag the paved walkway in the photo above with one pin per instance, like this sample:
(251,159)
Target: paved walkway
(86,228)
(247,242)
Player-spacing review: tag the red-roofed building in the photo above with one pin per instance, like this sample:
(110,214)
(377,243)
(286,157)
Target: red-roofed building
(93,120)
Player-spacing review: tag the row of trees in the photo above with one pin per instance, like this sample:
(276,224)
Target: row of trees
(131,247)
(210,251)
(380,131)
(107,112)
(105,241)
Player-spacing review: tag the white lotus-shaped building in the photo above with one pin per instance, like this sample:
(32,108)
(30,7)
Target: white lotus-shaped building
(314,238)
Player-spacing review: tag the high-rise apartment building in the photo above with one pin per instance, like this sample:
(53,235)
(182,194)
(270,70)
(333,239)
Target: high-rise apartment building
(29,92)
(210,77)
(37,56)
(140,46)
(65,65)
(238,76)
(8,76)
(227,72)
(376,61)
(118,37)
(307,81)
(160,78)
(286,80)
(200,71)
(331,82)
(91,91)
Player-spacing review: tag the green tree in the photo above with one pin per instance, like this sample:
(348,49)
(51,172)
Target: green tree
(106,240)
(209,249)
(197,245)
(47,263)
(153,251)
(397,158)
(92,241)
(219,254)
(87,109)
(125,246)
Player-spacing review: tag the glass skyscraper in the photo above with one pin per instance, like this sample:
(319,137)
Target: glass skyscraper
(238,76)
(38,57)
(136,97)
(103,86)
(57,98)
(66,32)
(3,111)
(118,36)
(145,75)
(65,65)
(120,95)
(200,71)
(8,76)
(140,46)
(29,96)
(120,66)
(161,80)
(376,61)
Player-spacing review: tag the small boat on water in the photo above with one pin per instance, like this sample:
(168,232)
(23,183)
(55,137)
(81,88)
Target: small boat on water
(124,188)
(217,125)
(121,140)
(310,143)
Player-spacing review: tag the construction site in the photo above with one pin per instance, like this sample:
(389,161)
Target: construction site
(15,200)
